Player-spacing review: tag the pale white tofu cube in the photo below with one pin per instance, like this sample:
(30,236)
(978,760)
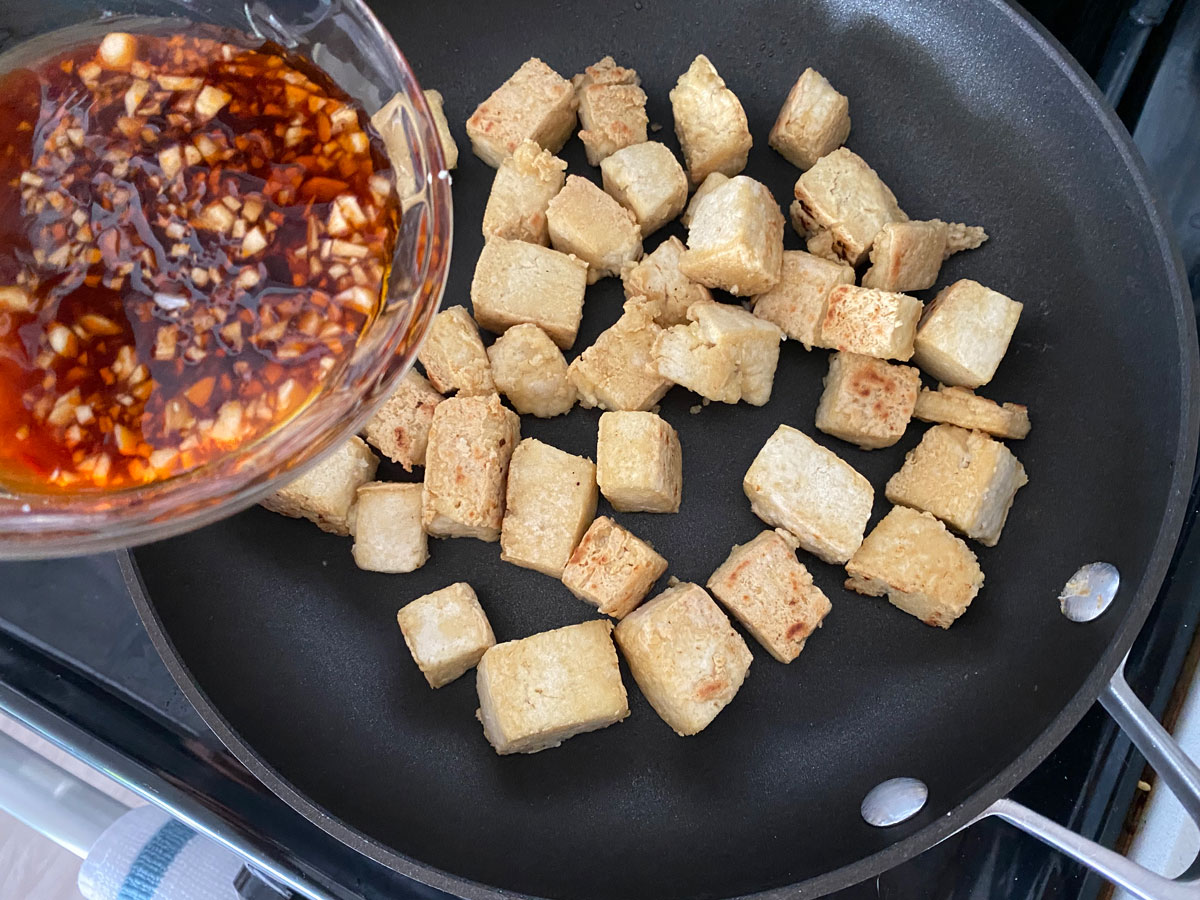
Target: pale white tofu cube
(517,282)
(871,322)
(400,427)
(965,333)
(551,501)
(736,239)
(707,186)
(709,122)
(961,407)
(437,109)
(639,462)
(612,109)
(797,303)
(388,536)
(657,280)
(537,692)
(796,484)
(685,656)
(921,567)
(867,401)
(612,569)
(965,478)
(524,185)
(535,103)
(453,355)
(471,442)
(647,180)
(814,121)
(531,372)
(618,371)
(767,589)
(907,256)
(447,632)
(588,223)
(325,493)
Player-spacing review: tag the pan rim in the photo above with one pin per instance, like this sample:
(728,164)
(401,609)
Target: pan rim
(1001,784)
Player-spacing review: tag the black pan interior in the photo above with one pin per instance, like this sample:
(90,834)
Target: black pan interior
(969,115)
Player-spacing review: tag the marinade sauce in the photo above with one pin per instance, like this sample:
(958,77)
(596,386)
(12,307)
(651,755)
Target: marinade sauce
(194,231)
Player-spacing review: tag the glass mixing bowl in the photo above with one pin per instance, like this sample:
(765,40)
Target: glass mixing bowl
(344,38)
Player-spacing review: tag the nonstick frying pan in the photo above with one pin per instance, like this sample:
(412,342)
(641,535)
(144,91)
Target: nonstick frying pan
(970,113)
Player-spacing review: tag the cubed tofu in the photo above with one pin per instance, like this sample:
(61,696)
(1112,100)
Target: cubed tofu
(612,569)
(524,185)
(400,427)
(326,492)
(767,589)
(588,223)
(551,501)
(709,122)
(639,463)
(735,241)
(437,108)
(612,109)
(537,692)
(874,323)
(961,407)
(388,536)
(518,282)
(921,567)
(814,121)
(843,196)
(965,478)
(707,186)
(618,371)
(685,656)
(867,401)
(907,256)
(447,632)
(535,103)
(393,122)
(648,181)
(453,355)
(797,303)
(466,467)
(965,333)
(531,372)
(657,280)
(796,484)
(726,354)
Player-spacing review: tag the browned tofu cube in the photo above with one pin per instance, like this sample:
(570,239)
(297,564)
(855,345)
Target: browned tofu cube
(325,493)
(551,502)
(586,222)
(685,656)
(531,372)
(447,632)
(867,401)
(537,692)
(797,303)
(796,484)
(612,109)
(612,569)
(814,121)
(518,282)
(921,567)
(466,467)
(618,371)
(771,594)
(648,181)
(961,407)
(707,186)
(842,196)
(453,355)
(400,427)
(535,103)
(657,279)
(965,333)
(438,111)
(388,536)
(874,323)
(907,256)
(639,463)
(709,122)
(524,185)
(736,239)
(963,477)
